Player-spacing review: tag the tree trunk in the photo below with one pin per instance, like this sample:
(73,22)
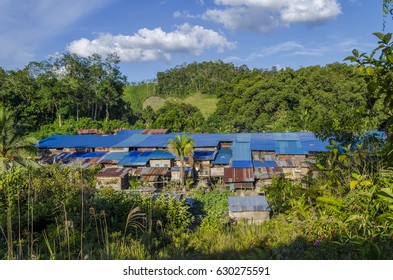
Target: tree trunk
(95,111)
(58,115)
(107,111)
(77,112)
(10,253)
(182,185)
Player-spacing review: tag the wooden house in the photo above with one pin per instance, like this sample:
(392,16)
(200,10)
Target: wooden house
(116,178)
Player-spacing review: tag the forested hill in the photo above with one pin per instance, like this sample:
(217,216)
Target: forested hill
(71,92)
(322,99)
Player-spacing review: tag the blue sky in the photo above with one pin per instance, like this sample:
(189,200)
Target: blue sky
(152,36)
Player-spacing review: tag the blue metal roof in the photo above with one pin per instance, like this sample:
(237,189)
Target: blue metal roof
(289,147)
(290,136)
(155,141)
(161,155)
(85,141)
(90,154)
(132,140)
(223,156)
(115,156)
(241,151)
(206,140)
(204,155)
(310,143)
(135,158)
(266,163)
(281,143)
(263,142)
(241,164)
(241,157)
(243,137)
(247,203)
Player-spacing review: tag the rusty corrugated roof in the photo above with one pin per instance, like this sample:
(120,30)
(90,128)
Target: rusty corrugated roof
(150,178)
(113,172)
(233,175)
(267,172)
(152,171)
(155,131)
(88,131)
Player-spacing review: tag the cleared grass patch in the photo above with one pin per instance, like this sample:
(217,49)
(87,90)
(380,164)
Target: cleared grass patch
(155,102)
(206,104)
(137,94)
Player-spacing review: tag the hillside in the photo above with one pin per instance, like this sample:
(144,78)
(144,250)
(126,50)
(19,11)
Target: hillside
(207,104)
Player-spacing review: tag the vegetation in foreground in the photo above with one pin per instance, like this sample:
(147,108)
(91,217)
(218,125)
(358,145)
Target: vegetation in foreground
(57,213)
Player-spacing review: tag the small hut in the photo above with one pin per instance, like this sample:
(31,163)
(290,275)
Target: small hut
(117,178)
(251,209)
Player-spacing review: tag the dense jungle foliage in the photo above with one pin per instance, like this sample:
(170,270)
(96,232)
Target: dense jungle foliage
(70,92)
(343,209)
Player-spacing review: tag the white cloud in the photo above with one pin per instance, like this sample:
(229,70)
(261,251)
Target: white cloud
(257,19)
(310,10)
(153,44)
(265,15)
(185,14)
(253,3)
(284,49)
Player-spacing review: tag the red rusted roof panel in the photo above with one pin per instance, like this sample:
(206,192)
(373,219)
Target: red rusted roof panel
(232,175)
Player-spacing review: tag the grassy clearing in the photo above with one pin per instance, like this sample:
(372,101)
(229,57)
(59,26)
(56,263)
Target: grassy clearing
(207,104)
(155,102)
(137,94)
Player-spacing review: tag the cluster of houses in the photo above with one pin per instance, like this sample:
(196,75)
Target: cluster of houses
(238,160)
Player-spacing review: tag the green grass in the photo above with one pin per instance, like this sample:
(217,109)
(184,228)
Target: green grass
(155,102)
(143,95)
(137,94)
(207,104)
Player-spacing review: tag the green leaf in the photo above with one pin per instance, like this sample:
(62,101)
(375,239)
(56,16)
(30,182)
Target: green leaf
(370,71)
(353,218)
(350,58)
(390,57)
(379,35)
(371,86)
(387,37)
(386,194)
(353,184)
(367,183)
(355,52)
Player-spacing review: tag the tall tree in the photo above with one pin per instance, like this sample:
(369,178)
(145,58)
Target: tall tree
(14,149)
(182,147)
